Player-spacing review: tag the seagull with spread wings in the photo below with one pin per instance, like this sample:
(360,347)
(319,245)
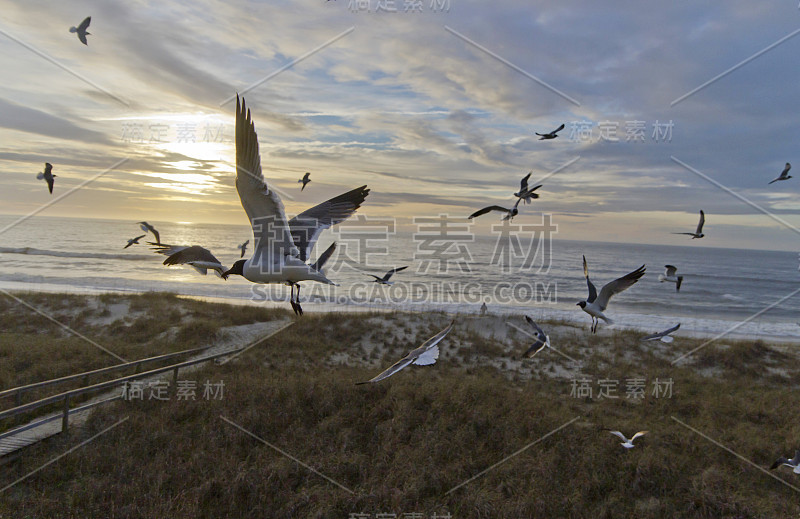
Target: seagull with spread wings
(199,258)
(425,355)
(81,30)
(670,275)
(305,180)
(664,336)
(47,176)
(525,193)
(281,247)
(542,340)
(699,232)
(596,304)
(784,174)
(551,135)
(146,227)
(134,241)
(510,213)
(385,279)
(243,248)
(627,443)
(794,463)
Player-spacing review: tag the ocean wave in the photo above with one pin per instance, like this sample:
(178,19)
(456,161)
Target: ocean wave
(72,254)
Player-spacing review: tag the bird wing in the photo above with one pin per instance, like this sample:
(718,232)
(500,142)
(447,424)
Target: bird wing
(48,168)
(653,337)
(640,433)
(323,258)
(82,37)
(485,210)
(558,129)
(431,342)
(617,286)
(306,227)
(672,330)
(85,24)
(391,370)
(262,204)
(389,274)
(377,278)
(786,169)
(671,269)
(700,224)
(193,254)
(427,357)
(778,462)
(592,289)
(541,340)
(50,181)
(775,180)
(523,185)
(619,434)
(166,250)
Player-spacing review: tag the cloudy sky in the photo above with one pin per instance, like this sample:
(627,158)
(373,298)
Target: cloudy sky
(433,104)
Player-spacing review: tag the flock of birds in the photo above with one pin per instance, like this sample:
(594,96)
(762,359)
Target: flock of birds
(283,248)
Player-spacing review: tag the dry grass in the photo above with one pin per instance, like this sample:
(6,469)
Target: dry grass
(401,445)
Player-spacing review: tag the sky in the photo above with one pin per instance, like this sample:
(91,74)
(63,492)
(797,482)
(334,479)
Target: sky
(669,108)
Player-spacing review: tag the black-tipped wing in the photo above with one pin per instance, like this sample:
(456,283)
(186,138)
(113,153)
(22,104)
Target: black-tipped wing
(485,210)
(558,129)
(670,270)
(323,258)
(85,24)
(523,185)
(592,289)
(541,341)
(190,255)
(659,335)
(778,462)
(306,227)
(389,274)
(701,223)
(617,286)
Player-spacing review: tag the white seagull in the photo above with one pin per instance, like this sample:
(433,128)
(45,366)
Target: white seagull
(669,275)
(134,241)
(385,279)
(422,356)
(243,248)
(628,444)
(146,227)
(525,193)
(662,336)
(542,340)
(281,247)
(699,232)
(595,304)
(198,257)
(794,463)
(784,174)
(47,176)
(81,29)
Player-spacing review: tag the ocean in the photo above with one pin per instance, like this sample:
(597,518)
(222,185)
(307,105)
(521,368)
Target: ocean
(449,271)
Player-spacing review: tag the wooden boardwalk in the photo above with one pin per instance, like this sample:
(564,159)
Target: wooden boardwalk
(232,339)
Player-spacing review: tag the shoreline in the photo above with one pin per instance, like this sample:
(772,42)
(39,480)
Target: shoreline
(691,327)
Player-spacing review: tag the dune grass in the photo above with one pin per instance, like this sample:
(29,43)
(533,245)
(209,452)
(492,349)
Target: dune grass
(406,444)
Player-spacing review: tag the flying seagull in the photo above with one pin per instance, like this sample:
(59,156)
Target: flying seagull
(628,444)
(198,257)
(784,174)
(551,135)
(134,241)
(595,304)
(425,355)
(243,248)
(385,279)
(794,463)
(542,340)
(281,247)
(305,180)
(510,213)
(146,227)
(669,275)
(699,232)
(81,29)
(662,336)
(48,176)
(524,193)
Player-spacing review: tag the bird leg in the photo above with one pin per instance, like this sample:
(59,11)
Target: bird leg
(291,298)
(297,299)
